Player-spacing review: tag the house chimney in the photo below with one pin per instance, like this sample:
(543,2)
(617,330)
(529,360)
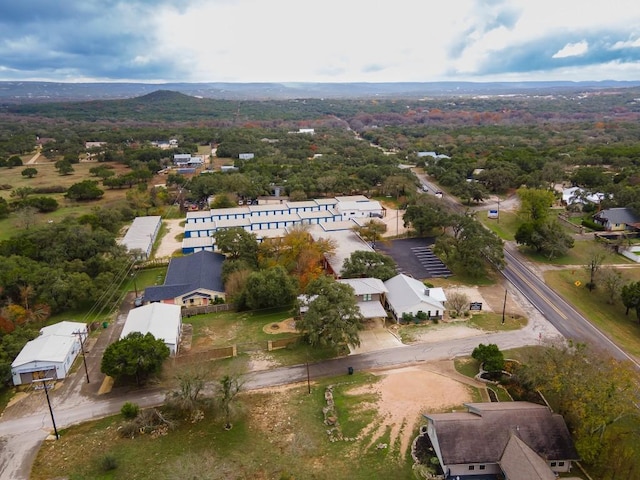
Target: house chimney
(426,292)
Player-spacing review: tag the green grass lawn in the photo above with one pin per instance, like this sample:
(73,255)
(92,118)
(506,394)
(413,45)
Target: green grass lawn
(492,322)
(504,227)
(578,255)
(610,319)
(273,437)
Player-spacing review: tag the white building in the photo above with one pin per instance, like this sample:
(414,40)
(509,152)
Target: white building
(141,235)
(163,321)
(50,355)
(411,296)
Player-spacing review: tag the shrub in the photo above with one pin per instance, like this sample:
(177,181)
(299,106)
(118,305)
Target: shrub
(592,225)
(130,410)
(108,463)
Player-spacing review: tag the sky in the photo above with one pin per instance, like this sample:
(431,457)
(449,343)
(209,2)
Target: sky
(157,41)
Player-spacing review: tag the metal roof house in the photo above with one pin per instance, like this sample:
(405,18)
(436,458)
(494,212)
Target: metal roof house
(521,440)
(191,280)
(141,235)
(369,294)
(160,320)
(49,355)
(408,295)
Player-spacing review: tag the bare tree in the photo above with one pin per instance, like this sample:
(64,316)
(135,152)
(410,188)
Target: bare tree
(612,281)
(457,302)
(596,256)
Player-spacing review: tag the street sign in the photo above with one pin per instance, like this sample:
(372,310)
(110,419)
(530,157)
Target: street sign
(475,306)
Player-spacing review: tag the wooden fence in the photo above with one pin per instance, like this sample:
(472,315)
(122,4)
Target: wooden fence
(202,309)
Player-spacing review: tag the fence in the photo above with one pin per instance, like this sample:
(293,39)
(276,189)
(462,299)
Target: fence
(202,309)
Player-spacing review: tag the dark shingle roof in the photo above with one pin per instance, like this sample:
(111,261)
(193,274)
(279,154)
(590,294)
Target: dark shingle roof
(481,435)
(185,274)
(618,215)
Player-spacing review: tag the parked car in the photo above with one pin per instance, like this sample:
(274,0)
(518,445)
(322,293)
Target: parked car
(138,301)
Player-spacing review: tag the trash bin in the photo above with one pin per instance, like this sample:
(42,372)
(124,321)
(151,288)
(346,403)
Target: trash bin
(350,370)
(105,324)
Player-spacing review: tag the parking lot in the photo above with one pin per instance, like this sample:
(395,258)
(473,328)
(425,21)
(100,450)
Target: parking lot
(415,257)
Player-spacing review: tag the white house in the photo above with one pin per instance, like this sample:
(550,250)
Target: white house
(408,295)
(369,293)
(163,321)
(50,355)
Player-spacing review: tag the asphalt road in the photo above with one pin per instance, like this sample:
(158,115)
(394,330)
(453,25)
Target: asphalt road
(571,324)
(21,437)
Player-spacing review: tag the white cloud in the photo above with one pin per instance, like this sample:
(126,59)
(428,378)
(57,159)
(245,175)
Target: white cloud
(572,50)
(628,44)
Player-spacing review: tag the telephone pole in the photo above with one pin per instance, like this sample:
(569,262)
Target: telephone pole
(46,392)
(84,357)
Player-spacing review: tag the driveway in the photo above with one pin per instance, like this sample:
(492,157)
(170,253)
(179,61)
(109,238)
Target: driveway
(376,337)
(414,257)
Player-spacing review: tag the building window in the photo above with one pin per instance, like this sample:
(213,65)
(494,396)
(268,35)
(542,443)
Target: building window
(367,297)
(472,467)
(482,467)
(561,464)
(553,464)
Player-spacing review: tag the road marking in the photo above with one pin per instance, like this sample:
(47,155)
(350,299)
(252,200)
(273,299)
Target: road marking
(540,294)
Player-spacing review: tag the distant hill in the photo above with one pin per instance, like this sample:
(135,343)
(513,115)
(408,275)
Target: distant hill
(40,92)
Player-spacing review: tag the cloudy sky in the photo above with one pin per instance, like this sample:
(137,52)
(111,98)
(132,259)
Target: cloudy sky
(319,41)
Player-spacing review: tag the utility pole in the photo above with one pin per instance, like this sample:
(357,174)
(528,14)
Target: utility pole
(135,285)
(46,392)
(84,357)
(504,305)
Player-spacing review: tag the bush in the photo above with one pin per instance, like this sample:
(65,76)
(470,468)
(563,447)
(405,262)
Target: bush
(50,189)
(592,225)
(130,410)
(108,463)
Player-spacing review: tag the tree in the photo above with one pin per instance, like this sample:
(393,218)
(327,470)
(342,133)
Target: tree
(591,390)
(490,356)
(630,295)
(535,203)
(4,208)
(268,288)
(134,356)
(369,264)
(332,317)
(229,388)
(85,190)
(29,172)
(470,246)
(612,281)
(22,192)
(596,254)
(458,302)
(64,167)
(371,231)
(237,244)
(14,161)
(545,236)
(426,215)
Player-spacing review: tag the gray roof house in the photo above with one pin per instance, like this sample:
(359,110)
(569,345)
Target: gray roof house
(617,219)
(516,440)
(191,280)
(408,295)
(369,294)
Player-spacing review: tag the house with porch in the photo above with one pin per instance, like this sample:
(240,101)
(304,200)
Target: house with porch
(512,440)
(406,295)
(192,280)
(617,219)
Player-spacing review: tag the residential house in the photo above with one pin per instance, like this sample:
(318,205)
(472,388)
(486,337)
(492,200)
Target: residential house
(160,320)
(512,440)
(617,219)
(49,355)
(191,280)
(577,195)
(406,295)
(246,156)
(369,294)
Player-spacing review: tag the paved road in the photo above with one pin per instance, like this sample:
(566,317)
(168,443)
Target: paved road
(20,437)
(570,323)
